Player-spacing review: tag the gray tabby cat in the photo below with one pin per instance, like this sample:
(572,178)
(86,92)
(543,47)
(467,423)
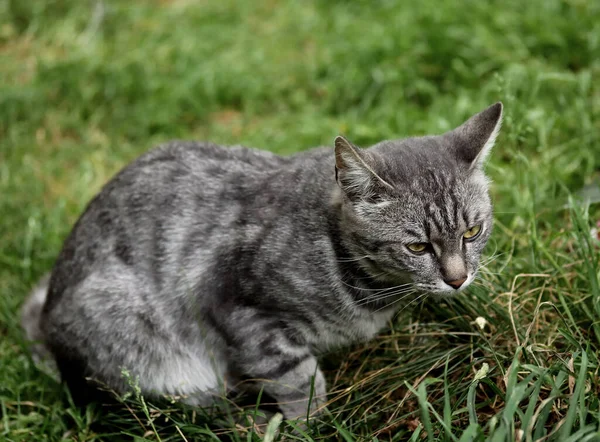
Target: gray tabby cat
(200,267)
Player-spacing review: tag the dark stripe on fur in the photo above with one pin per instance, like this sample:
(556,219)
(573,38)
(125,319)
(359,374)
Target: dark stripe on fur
(284,366)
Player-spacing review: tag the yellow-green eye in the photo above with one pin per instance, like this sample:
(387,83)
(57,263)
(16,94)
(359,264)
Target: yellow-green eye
(472,232)
(417,247)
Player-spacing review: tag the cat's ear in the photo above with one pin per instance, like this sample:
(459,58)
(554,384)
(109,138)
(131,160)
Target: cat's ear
(354,171)
(474,139)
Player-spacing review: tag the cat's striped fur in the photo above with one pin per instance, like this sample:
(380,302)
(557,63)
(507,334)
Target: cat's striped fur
(200,268)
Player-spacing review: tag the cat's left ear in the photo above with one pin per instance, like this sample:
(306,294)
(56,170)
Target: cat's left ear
(474,139)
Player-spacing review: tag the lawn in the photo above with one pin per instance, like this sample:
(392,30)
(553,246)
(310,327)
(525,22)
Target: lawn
(86,86)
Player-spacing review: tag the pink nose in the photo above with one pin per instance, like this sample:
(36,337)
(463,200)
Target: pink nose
(456,283)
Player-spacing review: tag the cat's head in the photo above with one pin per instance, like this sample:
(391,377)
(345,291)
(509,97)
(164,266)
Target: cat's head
(417,210)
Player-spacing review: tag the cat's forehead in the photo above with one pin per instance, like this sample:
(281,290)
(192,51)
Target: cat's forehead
(425,159)
(440,203)
(430,192)
(422,198)
(425,167)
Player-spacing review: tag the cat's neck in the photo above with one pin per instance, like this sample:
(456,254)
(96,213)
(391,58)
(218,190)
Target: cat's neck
(354,278)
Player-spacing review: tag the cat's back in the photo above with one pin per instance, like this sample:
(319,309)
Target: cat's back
(179,176)
(152,206)
(181,183)
(196,158)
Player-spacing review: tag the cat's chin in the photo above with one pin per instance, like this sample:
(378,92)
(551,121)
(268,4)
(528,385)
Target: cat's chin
(441,294)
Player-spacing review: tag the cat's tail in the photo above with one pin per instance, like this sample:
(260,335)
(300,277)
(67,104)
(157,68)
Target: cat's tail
(31,314)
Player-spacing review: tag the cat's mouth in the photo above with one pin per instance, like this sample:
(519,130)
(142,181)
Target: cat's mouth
(441,289)
(394,277)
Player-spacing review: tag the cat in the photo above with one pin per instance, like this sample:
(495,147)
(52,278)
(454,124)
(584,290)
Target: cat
(200,268)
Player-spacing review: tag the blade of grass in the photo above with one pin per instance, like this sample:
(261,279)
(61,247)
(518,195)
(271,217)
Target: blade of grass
(575,399)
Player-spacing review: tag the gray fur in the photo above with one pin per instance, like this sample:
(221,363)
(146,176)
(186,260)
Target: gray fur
(200,268)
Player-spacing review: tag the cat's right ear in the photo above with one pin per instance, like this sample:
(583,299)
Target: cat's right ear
(354,171)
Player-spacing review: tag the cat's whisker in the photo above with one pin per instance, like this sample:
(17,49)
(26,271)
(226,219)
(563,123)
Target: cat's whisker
(487,262)
(494,256)
(412,292)
(367,301)
(379,296)
(371,299)
(423,298)
(484,263)
(488,273)
(355,259)
(369,277)
(483,269)
(390,292)
(408,304)
(375,290)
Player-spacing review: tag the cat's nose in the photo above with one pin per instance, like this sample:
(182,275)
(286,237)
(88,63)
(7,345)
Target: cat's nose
(456,283)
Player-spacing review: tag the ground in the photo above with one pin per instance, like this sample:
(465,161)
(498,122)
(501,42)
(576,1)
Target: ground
(86,86)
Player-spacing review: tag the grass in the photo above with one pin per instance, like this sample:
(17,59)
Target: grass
(85,86)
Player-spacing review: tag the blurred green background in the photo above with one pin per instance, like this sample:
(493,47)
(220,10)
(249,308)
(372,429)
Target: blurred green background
(86,86)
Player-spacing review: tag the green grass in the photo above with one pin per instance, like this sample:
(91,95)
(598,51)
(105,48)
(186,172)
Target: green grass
(85,86)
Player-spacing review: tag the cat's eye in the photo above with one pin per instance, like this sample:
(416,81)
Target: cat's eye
(473,232)
(417,247)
